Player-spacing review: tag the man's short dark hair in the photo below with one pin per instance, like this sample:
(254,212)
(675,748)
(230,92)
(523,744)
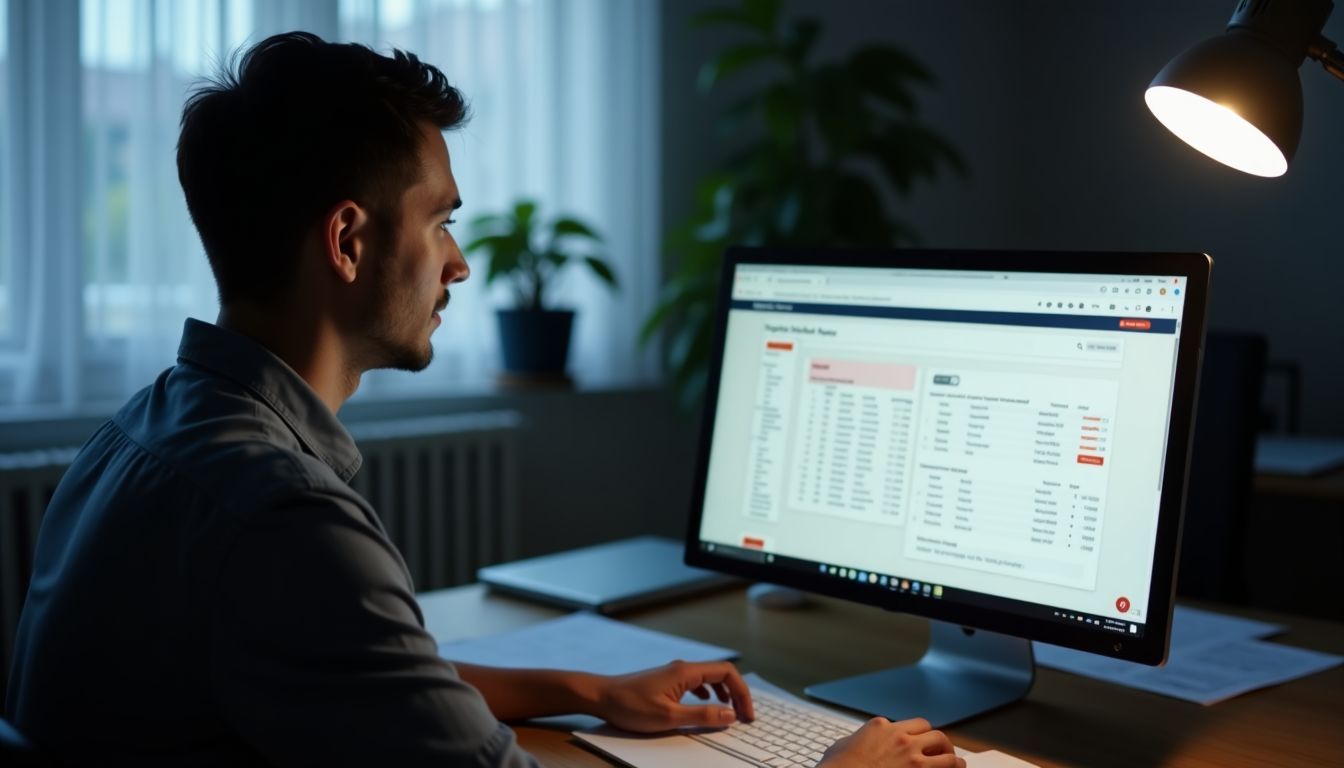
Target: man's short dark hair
(300,125)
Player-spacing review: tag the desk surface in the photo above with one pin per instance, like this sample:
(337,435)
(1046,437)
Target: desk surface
(1065,720)
(1327,487)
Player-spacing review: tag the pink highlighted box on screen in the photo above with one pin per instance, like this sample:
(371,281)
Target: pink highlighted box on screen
(861,374)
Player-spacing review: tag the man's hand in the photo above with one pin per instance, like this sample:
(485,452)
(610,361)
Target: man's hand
(881,743)
(650,701)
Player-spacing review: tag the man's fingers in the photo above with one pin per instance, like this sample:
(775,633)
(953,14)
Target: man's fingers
(914,726)
(725,674)
(706,716)
(721,691)
(947,760)
(934,743)
(700,692)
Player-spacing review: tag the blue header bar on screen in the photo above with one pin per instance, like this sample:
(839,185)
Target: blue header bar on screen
(1033,319)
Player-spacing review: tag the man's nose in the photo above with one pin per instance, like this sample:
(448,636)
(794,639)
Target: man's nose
(456,270)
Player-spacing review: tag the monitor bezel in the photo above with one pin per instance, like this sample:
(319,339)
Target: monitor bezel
(1151,648)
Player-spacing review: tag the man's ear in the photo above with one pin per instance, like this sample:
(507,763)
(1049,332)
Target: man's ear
(347,232)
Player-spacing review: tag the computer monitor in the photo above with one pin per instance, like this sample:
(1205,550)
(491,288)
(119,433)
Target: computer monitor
(997,441)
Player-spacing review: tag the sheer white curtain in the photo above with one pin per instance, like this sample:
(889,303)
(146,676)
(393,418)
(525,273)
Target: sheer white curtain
(144,268)
(99,263)
(6,191)
(565,96)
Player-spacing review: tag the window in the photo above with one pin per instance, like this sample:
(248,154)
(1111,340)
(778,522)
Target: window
(142,266)
(104,265)
(6,278)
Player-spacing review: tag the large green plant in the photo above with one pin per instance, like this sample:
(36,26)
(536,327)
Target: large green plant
(828,143)
(530,255)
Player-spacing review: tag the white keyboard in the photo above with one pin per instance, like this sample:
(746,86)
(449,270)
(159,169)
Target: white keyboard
(784,733)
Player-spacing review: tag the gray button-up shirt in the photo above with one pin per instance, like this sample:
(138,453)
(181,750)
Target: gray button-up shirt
(208,589)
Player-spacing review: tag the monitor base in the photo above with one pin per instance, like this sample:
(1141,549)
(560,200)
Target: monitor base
(962,674)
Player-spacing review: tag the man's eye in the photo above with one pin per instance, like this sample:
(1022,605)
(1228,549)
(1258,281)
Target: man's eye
(444,224)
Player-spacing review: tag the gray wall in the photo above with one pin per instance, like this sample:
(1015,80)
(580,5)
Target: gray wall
(1045,99)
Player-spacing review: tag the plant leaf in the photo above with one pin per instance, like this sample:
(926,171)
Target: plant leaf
(799,38)
(887,74)
(502,262)
(722,17)
(681,351)
(786,215)
(907,152)
(761,13)
(783,113)
(490,243)
(523,211)
(733,60)
(857,211)
(601,269)
(840,112)
(893,61)
(569,226)
(733,120)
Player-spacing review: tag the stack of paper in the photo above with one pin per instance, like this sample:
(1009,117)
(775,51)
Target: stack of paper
(583,642)
(1213,657)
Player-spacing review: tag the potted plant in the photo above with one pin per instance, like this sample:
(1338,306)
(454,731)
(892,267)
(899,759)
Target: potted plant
(534,335)
(823,145)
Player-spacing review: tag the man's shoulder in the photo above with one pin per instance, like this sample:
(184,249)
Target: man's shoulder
(222,441)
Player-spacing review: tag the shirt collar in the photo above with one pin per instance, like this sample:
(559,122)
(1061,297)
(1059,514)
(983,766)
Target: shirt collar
(240,359)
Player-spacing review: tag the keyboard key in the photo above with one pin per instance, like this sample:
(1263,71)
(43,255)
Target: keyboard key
(784,734)
(724,739)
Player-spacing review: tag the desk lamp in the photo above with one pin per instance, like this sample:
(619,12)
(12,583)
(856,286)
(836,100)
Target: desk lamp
(1237,97)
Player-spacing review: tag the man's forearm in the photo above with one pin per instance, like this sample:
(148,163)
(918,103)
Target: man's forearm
(519,694)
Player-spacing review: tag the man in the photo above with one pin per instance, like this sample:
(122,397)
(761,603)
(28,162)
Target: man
(207,587)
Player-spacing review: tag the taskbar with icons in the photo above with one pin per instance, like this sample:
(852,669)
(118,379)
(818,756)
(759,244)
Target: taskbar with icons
(907,585)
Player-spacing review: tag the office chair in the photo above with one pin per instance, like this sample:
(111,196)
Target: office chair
(1218,500)
(16,751)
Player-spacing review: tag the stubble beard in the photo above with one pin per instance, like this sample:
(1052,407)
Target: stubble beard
(402,342)
(400,328)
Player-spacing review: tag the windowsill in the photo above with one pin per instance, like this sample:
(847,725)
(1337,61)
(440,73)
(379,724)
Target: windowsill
(40,428)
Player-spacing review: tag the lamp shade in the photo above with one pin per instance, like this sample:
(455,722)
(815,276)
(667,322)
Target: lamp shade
(1236,98)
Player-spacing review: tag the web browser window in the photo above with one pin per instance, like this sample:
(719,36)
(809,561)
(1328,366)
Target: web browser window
(964,433)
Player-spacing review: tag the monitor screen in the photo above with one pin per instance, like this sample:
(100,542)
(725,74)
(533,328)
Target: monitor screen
(997,440)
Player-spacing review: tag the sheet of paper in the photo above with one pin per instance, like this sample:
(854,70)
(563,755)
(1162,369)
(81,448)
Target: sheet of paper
(1292,455)
(1213,657)
(992,759)
(584,642)
(1192,626)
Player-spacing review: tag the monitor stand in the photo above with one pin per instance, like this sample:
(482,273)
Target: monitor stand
(963,673)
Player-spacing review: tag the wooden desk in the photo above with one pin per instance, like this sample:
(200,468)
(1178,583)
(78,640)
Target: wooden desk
(1328,487)
(1065,720)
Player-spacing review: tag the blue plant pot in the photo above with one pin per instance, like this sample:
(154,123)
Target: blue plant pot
(535,341)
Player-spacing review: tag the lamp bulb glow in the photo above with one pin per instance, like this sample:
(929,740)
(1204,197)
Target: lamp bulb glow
(1216,130)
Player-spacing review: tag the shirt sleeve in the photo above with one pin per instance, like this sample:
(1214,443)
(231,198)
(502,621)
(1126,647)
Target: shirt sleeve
(318,654)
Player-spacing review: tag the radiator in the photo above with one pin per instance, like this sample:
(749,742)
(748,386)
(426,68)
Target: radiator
(445,486)
(27,481)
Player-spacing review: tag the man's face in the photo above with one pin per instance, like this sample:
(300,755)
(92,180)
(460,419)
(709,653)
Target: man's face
(421,260)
